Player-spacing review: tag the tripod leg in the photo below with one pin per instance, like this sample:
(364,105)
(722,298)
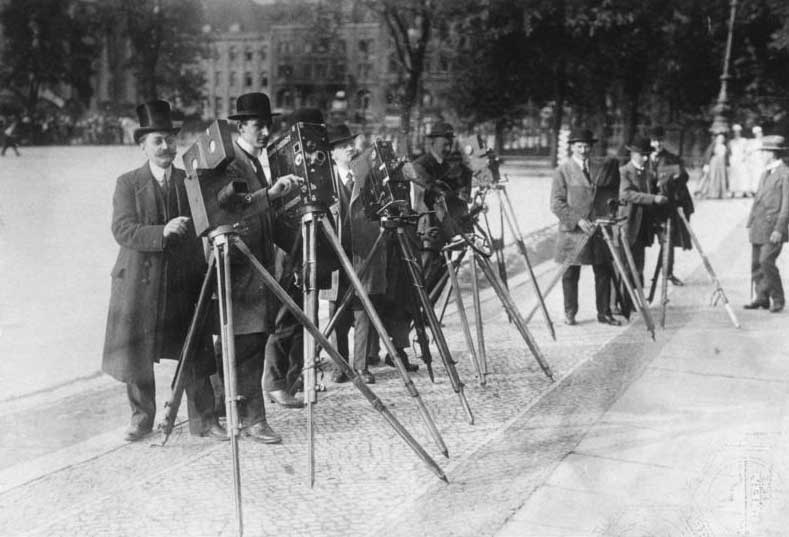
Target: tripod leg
(665,268)
(512,309)
(224,290)
(569,260)
(311,309)
(656,274)
(483,355)
(710,271)
(638,284)
(196,325)
(432,321)
(462,313)
(339,361)
(386,341)
(504,201)
(421,336)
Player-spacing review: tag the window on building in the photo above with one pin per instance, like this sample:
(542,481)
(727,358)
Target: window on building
(232,81)
(262,53)
(232,53)
(264,80)
(284,98)
(364,70)
(443,62)
(218,78)
(307,71)
(231,103)
(218,110)
(341,46)
(321,71)
(248,54)
(247,79)
(284,70)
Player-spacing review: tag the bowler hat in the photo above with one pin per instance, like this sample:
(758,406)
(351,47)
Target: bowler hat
(581,135)
(305,115)
(339,134)
(253,105)
(154,116)
(639,144)
(773,142)
(657,132)
(441,129)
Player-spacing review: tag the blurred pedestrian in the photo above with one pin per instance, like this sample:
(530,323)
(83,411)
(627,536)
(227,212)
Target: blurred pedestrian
(755,159)
(739,177)
(768,223)
(10,135)
(715,177)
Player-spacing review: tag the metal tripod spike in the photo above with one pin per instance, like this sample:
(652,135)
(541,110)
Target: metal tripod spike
(719,293)
(339,361)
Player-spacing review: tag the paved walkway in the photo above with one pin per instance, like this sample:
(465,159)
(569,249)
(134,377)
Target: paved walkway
(627,435)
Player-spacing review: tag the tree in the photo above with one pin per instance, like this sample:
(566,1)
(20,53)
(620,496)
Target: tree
(46,43)
(167,42)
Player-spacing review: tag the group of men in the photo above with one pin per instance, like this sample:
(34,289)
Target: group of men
(161,264)
(654,186)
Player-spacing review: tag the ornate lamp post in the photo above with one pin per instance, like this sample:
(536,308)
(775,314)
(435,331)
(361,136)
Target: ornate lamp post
(720,123)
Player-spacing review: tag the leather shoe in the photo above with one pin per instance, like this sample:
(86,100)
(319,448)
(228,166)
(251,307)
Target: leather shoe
(367,377)
(263,433)
(284,399)
(756,304)
(569,319)
(339,377)
(136,432)
(777,307)
(675,281)
(215,431)
(404,357)
(608,319)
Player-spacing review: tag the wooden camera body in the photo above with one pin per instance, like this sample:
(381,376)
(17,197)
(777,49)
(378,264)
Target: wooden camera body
(382,179)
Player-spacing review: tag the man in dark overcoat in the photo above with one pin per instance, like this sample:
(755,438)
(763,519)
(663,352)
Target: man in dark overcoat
(670,178)
(254,306)
(767,223)
(580,193)
(156,280)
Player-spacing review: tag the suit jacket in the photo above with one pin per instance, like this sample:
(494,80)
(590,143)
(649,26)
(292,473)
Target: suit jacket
(155,283)
(635,189)
(574,197)
(254,306)
(670,178)
(770,209)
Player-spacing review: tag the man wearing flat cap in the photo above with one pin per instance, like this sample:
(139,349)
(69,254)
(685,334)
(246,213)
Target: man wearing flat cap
(254,306)
(670,179)
(635,188)
(156,281)
(767,223)
(580,193)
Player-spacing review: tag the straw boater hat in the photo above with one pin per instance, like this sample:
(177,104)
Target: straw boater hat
(154,116)
(639,144)
(581,135)
(773,142)
(253,105)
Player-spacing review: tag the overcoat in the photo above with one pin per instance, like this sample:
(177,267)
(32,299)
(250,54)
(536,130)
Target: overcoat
(674,185)
(155,283)
(634,188)
(574,197)
(770,209)
(254,305)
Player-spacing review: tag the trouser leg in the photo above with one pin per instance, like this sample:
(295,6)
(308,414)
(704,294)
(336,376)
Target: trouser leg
(250,352)
(770,283)
(602,287)
(142,400)
(570,289)
(365,337)
(757,275)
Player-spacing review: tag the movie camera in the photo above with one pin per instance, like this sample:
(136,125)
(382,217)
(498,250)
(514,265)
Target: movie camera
(483,161)
(383,185)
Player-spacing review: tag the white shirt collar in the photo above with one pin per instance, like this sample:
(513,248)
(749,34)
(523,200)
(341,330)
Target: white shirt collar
(637,167)
(773,165)
(436,156)
(160,173)
(255,152)
(579,161)
(343,172)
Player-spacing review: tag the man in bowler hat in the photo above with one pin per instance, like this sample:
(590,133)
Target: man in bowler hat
(156,281)
(580,193)
(767,223)
(254,306)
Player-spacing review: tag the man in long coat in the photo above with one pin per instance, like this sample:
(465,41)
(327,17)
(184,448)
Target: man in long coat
(580,193)
(768,222)
(670,179)
(254,306)
(156,280)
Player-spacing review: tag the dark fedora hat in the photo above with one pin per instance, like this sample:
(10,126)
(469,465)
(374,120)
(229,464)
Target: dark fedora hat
(441,129)
(657,132)
(253,105)
(305,115)
(154,116)
(581,135)
(339,134)
(639,144)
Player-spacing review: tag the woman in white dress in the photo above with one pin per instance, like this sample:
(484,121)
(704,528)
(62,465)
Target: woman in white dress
(754,160)
(715,181)
(739,174)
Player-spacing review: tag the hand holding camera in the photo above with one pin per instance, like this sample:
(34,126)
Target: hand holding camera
(177,227)
(585,225)
(660,199)
(283,185)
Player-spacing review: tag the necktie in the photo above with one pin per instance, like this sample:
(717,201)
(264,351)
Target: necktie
(349,182)
(586,171)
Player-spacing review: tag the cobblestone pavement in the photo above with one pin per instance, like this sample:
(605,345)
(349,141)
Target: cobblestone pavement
(368,482)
